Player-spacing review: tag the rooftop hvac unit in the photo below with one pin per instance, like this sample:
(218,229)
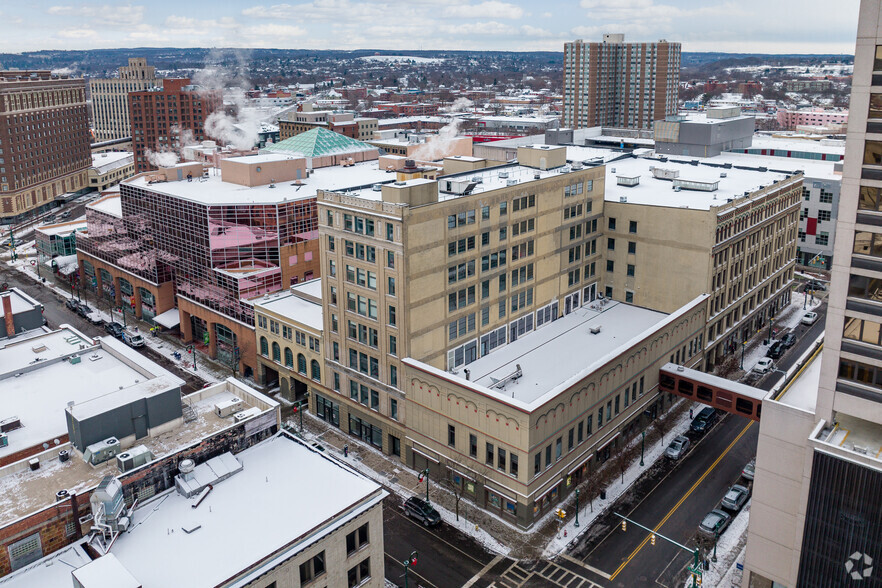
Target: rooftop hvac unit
(102,451)
(511,182)
(595,329)
(477,180)
(722,174)
(623,198)
(10,424)
(133,458)
(503,175)
(228,407)
(246,414)
(377,187)
(4,440)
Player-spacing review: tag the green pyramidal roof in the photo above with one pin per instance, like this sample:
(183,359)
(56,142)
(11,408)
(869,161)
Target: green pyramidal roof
(317,143)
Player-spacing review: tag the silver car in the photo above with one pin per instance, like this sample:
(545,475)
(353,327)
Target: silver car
(678,447)
(735,498)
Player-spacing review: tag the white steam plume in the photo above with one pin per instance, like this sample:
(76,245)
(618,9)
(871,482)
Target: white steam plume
(163,158)
(226,69)
(459,105)
(440,144)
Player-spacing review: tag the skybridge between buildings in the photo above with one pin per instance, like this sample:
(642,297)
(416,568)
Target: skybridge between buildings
(720,393)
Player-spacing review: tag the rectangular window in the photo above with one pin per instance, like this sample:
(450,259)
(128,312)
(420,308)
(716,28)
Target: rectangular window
(558,448)
(632,227)
(610,265)
(580,432)
(630,269)
(570,439)
(473,446)
(390,228)
(359,573)
(451,435)
(489,458)
(612,224)
(632,247)
(537,463)
(393,408)
(500,461)
(357,539)
(312,568)
(611,244)
(548,461)
(513,464)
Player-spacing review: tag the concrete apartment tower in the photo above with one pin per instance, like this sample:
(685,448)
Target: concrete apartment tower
(816,519)
(44,140)
(618,84)
(110,106)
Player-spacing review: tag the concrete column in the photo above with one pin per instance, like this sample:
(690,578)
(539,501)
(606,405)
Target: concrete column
(99,288)
(116,293)
(212,340)
(137,295)
(185,326)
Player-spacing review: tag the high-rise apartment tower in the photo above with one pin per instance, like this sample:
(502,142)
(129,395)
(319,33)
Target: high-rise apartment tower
(618,84)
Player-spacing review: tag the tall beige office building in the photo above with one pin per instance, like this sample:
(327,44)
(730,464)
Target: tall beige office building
(816,519)
(110,107)
(618,84)
(446,302)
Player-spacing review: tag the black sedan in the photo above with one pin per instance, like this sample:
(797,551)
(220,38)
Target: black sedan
(788,340)
(114,329)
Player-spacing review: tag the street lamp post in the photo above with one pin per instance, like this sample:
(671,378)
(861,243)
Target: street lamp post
(642,447)
(742,355)
(411,561)
(425,474)
(577,508)
(714,557)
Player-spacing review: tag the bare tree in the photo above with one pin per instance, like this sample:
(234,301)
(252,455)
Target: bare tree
(658,428)
(623,459)
(456,490)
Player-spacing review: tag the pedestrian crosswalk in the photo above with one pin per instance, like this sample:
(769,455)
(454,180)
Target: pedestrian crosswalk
(540,575)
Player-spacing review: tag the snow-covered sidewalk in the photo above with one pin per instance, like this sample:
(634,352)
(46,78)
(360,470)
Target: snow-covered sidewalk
(569,533)
(730,551)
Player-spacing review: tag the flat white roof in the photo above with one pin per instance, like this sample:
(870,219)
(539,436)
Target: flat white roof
(795,143)
(37,392)
(109,204)
(64,228)
(656,192)
(309,288)
(568,345)
(52,571)
(111,160)
(803,391)
(255,505)
(261,158)
(293,307)
(20,302)
(213,190)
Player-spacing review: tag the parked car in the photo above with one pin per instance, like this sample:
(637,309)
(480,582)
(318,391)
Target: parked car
(749,470)
(764,365)
(704,419)
(422,511)
(72,304)
(735,498)
(94,317)
(809,318)
(133,339)
(114,329)
(84,310)
(714,523)
(64,215)
(814,286)
(776,350)
(678,447)
(788,340)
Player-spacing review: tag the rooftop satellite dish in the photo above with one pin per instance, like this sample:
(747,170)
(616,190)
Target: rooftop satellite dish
(57,442)
(45,446)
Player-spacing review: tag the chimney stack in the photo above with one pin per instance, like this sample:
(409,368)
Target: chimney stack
(7,314)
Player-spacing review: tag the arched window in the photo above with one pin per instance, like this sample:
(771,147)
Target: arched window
(316,370)
(277,352)
(301,363)
(264,346)
(289,358)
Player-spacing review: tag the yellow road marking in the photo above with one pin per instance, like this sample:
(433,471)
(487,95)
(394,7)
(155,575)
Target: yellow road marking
(681,501)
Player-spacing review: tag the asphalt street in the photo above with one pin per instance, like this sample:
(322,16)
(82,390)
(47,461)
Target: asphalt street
(676,505)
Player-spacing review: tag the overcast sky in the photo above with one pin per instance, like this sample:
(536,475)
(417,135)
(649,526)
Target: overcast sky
(742,26)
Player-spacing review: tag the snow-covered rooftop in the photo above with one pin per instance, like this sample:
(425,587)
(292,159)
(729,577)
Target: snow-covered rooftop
(657,192)
(254,505)
(23,491)
(803,391)
(214,191)
(309,288)
(109,204)
(111,160)
(37,381)
(20,302)
(289,305)
(65,228)
(797,143)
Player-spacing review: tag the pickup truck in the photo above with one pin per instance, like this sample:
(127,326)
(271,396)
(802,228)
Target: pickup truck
(133,339)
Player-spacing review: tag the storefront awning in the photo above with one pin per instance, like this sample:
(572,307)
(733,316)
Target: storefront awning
(169,319)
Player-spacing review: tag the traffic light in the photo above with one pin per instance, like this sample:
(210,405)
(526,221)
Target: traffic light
(624,525)
(698,580)
(652,539)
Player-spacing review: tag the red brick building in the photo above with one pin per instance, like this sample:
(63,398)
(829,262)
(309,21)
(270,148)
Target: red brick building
(44,140)
(159,118)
